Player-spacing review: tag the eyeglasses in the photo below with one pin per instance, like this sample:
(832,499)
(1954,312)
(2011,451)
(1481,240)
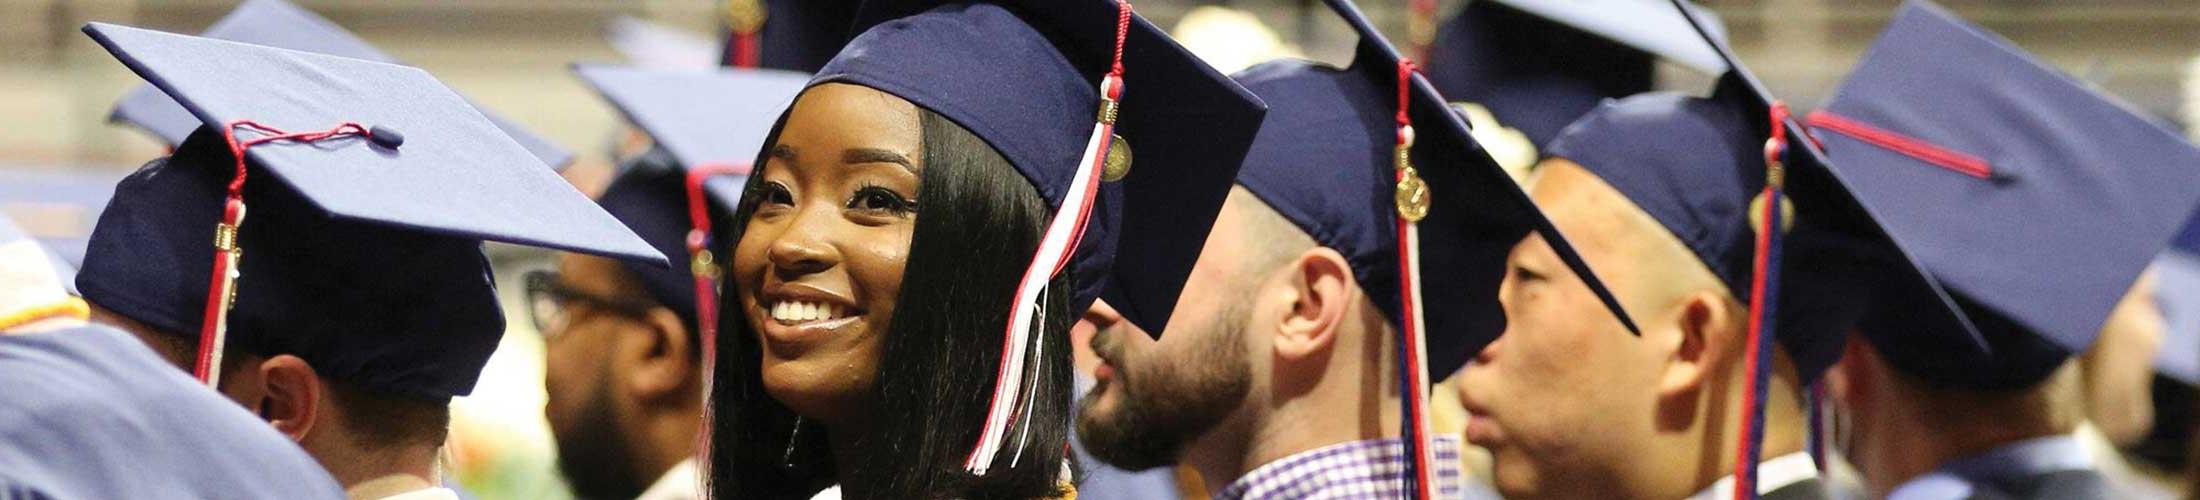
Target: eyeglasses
(550,304)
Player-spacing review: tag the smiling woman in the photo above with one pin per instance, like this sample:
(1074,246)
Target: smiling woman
(833,364)
(929,216)
(839,362)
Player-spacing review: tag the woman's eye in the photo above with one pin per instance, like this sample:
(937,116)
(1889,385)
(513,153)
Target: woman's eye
(878,199)
(772,193)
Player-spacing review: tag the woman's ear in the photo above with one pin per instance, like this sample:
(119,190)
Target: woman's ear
(290,395)
(668,361)
(1320,287)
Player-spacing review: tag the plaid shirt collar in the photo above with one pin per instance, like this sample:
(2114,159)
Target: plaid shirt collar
(1374,468)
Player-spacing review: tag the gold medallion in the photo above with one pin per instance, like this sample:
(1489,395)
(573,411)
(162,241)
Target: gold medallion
(1412,197)
(1118,164)
(703,265)
(1757,213)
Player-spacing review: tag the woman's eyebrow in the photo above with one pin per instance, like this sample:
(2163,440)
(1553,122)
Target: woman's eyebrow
(783,152)
(855,156)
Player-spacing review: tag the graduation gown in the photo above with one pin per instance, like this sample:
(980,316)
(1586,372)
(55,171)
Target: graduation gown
(90,412)
(2052,467)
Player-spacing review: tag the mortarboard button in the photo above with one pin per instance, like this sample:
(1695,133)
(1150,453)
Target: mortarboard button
(387,138)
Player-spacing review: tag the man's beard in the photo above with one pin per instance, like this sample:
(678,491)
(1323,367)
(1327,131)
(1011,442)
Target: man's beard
(595,457)
(1155,419)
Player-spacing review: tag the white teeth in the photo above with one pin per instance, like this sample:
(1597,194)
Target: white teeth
(797,311)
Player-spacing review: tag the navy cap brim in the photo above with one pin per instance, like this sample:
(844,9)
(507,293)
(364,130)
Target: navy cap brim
(1826,204)
(701,117)
(277,23)
(1189,125)
(455,173)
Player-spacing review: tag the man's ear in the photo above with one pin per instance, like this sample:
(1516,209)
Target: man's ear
(290,394)
(1711,331)
(1320,287)
(666,361)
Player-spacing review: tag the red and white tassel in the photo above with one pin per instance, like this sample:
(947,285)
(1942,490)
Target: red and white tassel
(1412,205)
(222,284)
(704,266)
(1014,388)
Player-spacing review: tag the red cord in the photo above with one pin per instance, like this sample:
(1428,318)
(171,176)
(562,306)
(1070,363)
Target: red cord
(1415,407)
(745,51)
(706,289)
(1745,465)
(1913,147)
(233,209)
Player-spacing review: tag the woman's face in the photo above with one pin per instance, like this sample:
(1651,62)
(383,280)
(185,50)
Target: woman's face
(818,267)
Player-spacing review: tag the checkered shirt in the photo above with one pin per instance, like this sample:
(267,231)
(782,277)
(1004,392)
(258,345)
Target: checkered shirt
(1374,469)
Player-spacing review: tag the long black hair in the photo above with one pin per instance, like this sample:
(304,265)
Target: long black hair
(981,222)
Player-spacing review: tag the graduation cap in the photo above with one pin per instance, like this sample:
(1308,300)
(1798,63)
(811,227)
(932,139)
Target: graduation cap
(1539,64)
(367,258)
(277,23)
(2036,199)
(1767,215)
(796,35)
(711,124)
(1028,78)
(1340,159)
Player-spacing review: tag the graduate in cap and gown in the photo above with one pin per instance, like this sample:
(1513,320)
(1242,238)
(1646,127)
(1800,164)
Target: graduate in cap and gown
(90,412)
(1682,204)
(625,342)
(354,301)
(2030,202)
(1356,261)
(927,219)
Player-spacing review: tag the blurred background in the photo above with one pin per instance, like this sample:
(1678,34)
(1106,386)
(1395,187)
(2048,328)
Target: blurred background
(58,152)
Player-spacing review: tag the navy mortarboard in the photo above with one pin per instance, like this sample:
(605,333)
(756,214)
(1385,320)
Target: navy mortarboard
(1028,79)
(2033,197)
(712,123)
(1338,157)
(368,219)
(1539,64)
(797,35)
(277,23)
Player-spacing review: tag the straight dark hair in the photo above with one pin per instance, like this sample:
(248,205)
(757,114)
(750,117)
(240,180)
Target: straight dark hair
(980,223)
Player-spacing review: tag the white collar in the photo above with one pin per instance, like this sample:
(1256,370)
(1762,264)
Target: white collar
(1771,475)
(425,494)
(680,483)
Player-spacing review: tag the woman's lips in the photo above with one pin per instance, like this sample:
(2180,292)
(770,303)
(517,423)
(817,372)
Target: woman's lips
(796,333)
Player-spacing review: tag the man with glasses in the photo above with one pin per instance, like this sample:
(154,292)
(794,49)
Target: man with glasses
(624,343)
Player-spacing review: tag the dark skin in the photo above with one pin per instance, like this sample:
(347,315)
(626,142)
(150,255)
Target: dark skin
(646,365)
(820,263)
